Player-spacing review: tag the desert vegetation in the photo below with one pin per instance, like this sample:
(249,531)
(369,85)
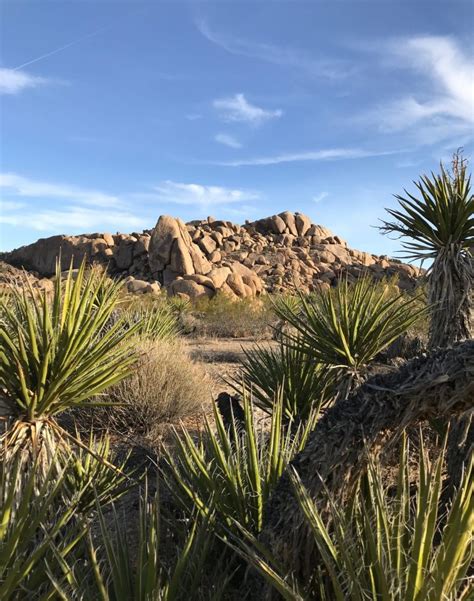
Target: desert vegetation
(337,463)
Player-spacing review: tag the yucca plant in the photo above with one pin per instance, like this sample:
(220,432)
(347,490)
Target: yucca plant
(88,469)
(390,543)
(158,322)
(228,475)
(32,517)
(112,568)
(179,305)
(347,327)
(438,226)
(303,384)
(57,354)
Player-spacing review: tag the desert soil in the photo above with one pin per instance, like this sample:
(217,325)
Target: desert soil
(221,357)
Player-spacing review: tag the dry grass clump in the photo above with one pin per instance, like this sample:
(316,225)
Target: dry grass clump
(166,387)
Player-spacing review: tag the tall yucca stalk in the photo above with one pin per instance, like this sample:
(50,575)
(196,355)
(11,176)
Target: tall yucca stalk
(228,475)
(439,226)
(347,327)
(57,353)
(390,543)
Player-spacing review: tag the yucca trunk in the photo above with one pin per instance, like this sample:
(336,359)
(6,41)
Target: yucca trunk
(440,385)
(450,296)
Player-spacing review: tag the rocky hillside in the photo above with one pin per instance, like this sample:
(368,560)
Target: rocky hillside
(285,252)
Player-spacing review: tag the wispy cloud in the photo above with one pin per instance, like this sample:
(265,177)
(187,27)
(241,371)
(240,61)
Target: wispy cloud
(13,81)
(227,140)
(331,154)
(8,205)
(53,206)
(23,186)
(320,197)
(238,108)
(74,218)
(283,56)
(201,195)
(447,110)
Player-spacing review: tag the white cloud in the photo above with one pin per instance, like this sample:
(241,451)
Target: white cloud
(22,186)
(201,195)
(7,205)
(74,218)
(69,208)
(331,154)
(237,108)
(282,56)
(13,81)
(228,140)
(448,110)
(319,197)
(451,69)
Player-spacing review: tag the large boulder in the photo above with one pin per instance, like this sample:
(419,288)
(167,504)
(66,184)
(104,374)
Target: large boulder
(303,223)
(219,275)
(289,220)
(277,224)
(42,255)
(190,289)
(166,231)
(171,246)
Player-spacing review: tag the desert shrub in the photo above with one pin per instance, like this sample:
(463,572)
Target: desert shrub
(302,383)
(389,543)
(222,317)
(179,305)
(228,475)
(166,387)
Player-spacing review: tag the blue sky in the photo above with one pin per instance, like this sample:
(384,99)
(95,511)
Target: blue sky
(115,113)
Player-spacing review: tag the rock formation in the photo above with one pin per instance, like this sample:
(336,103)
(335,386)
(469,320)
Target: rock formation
(284,252)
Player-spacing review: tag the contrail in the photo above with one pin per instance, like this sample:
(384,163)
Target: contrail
(56,50)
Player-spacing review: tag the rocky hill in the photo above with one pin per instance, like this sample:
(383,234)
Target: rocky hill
(285,252)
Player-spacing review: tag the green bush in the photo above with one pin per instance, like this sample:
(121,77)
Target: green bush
(37,529)
(156,322)
(222,317)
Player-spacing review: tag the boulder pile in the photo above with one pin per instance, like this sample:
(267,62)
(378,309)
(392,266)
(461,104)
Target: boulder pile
(281,253)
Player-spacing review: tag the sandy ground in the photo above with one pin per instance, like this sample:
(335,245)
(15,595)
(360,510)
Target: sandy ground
(221,357)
